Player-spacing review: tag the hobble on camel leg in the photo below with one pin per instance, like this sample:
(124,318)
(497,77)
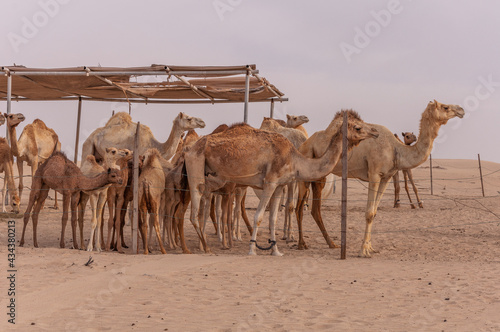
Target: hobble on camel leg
(269,189)
(397,189)
(273,217)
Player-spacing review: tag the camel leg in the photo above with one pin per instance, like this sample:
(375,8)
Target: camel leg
(3,192)
(39,204)
(118,228)
(397,189)
(213,217)
(244,212)
(229,215)
(195,206)
(405,174)
(101,200)
(91,197)
(299,211)
(143,227)
(288,225)
(273,216)
(75,197)
(64,221)
(237,213)
(202,215)
(218,215)
(155,208)
(34,196)
(376,188)
(267,193)
(317,188)
(111,231)
(410,176)
(20,172)
(37,197)
(179,221)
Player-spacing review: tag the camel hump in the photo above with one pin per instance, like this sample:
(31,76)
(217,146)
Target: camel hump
(119,118)
(151,157)
(91,159)
(40,124)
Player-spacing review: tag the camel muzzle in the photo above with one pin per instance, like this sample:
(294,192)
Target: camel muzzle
(460,113)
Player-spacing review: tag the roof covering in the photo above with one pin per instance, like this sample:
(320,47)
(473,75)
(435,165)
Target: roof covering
(156,83)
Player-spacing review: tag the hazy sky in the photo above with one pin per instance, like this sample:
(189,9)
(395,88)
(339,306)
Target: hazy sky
(385,59)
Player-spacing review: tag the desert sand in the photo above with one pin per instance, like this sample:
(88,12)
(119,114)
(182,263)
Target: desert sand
(437,270)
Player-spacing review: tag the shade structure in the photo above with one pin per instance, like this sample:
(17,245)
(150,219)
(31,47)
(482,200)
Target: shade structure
(156,83)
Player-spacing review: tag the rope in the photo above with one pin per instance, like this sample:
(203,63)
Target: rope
(272,243)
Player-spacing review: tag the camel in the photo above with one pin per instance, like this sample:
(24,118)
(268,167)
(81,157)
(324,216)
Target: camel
(409,139)
(150,190)
(98,197)
(61,174)
(36,143)
(120,131)
(6,166)
(376,161)
(259,159)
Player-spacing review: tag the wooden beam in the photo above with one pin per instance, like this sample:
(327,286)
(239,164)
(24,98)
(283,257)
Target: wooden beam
(135,200)
(343,243)
(78,120)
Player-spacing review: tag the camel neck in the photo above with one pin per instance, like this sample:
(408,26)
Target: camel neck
(13,140)
(308,169)
(92,183)
(168,149)
(412,156)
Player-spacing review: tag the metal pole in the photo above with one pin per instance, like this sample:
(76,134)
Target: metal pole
(271,115)
(480,172)
(430,159)
(78,119)
(9,103)
(343,243)
(247,93)
(135,209)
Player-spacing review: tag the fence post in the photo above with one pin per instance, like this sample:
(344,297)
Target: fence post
(480,172)
(135,201)
(343,242)
(430,159)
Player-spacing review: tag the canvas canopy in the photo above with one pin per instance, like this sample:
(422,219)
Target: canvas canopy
(156,83)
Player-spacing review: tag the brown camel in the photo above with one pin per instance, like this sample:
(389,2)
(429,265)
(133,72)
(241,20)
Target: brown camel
(36,143)
(6,166)
(296,122)
(260,159)
(409,139)
(376,161)
(120,131)
(98,197)
(61,174)
(150,190)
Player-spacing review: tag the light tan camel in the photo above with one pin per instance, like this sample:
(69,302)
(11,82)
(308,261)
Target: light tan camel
(376,161)
(409,139)
(36,143)
(296,122)
(6,167)
(260,159)
(120,131)
(98,197)
(61,174)
(151,188)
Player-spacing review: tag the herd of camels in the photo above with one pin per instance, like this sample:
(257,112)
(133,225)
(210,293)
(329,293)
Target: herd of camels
(211,174)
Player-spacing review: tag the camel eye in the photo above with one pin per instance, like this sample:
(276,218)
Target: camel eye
(357,128)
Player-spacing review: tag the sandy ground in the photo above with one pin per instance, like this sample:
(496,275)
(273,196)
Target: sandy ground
(437,270)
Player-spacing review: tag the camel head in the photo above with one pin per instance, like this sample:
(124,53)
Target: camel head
(357,129)
(187,122)
(270,124)
(443,112)
(113,155)
(409,138)
(14,119)
(114,176)
(2,119)
(15,202)
(294,121)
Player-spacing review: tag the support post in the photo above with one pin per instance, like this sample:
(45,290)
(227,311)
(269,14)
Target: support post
(9,103)
(135,188)
(271,114)
(480,172)
(343,243)
(247,94)
(78,119)
(430,160)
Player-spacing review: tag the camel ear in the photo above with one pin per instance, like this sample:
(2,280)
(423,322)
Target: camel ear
(288,116)
(107,150)
(182,115)
(403,134)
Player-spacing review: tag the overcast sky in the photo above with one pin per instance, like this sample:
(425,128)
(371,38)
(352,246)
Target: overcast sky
(385,59)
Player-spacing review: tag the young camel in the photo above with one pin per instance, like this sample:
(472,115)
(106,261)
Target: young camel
(375,161)
(98,197)
(409,138)
(6,166)
(150,190)
(61,174)
(36,143)
(260,159)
